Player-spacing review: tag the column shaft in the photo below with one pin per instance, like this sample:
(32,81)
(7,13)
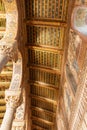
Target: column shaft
(8,119)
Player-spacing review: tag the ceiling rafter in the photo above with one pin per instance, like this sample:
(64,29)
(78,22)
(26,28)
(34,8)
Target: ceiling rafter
(43,110)
(44,99)
(6,73)
(56,51)
(37,127)
(42,120)
(51,70)
(46,23)
(44,84)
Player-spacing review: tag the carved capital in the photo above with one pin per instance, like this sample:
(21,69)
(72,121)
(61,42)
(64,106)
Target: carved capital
(13,98)
(10,51)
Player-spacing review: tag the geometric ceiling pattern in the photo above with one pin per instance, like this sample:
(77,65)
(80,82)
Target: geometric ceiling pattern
(46,22)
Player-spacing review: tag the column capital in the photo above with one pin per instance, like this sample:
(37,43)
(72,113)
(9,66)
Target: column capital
(13,98)
(10,51)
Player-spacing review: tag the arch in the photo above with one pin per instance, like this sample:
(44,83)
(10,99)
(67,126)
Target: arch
(8,44)
(13,94)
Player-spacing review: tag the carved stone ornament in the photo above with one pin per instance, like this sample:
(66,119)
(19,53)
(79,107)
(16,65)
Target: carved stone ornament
(10,50)
(20,112)
(13,98)
(80,105)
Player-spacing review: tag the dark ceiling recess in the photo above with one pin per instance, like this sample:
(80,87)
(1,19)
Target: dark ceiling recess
(46,22)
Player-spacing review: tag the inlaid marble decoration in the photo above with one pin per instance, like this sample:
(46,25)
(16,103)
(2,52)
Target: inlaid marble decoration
(80,20)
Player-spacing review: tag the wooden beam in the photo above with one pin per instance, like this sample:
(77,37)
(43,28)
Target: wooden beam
(44,84)
(56,51)
(2,15)
(50,70)
(2,108)
(42,120)
(2,101)
(44,46)
(45,23)
(44,99)
(4,84)
(1,121)
(2,93)
(43,110)
(37,127)
(2,29)
(9,64)
(1,115)
(6,73)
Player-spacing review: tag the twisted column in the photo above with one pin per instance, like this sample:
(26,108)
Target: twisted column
(13,100)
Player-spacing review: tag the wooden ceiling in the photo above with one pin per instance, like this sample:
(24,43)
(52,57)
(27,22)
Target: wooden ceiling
(2,19)
(4,79)
(46,23)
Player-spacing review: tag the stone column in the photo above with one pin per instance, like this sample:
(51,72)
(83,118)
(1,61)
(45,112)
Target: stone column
(8,52)
(3,61)
(13,100)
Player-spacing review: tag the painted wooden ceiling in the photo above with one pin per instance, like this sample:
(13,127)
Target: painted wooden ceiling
(46,22)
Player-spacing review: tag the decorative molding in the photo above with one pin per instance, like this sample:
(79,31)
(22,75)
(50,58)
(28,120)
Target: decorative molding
(20,112)
(80,105)
(73,52)
(19,121)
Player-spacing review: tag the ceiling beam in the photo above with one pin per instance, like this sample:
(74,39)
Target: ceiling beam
(43,110)
(51,70)
(44,85)
(37,127)
(2,93)
(2,15)
(42,120)
(44,46)
(45,68)
(56,51)
(46,23)
(2,101)
(4,84)
(6,73)
(43,98)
